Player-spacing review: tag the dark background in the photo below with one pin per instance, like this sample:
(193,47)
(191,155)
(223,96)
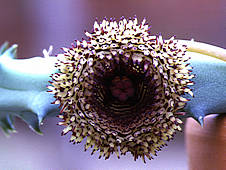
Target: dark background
(34,25)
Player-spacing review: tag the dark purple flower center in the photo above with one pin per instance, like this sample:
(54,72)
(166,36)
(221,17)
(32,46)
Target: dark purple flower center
(122,88)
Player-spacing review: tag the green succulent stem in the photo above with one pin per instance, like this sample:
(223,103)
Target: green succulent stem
(209,66)
(23,89)
(205,49)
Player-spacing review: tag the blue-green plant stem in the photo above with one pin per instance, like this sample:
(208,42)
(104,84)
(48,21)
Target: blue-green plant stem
(23,85)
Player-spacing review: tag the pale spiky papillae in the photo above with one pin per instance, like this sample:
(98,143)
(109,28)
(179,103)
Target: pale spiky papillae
(121,89)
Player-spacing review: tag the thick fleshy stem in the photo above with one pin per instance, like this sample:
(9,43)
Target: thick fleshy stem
(208,51)
(209,66)
(205,49)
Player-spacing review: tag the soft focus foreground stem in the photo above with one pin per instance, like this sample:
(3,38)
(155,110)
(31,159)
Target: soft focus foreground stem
(205,49)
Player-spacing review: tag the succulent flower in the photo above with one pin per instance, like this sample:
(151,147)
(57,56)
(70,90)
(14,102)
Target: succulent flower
(122,89)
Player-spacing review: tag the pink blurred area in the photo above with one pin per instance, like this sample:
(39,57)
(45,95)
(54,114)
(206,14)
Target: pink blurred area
(35,25)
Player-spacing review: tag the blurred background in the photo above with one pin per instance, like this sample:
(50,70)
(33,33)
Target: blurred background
(35,25)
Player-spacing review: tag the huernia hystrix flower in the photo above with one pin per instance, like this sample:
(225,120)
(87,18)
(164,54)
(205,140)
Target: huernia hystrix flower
(122,89)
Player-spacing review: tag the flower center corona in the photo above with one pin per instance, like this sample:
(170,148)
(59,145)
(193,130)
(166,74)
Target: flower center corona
(122,88)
